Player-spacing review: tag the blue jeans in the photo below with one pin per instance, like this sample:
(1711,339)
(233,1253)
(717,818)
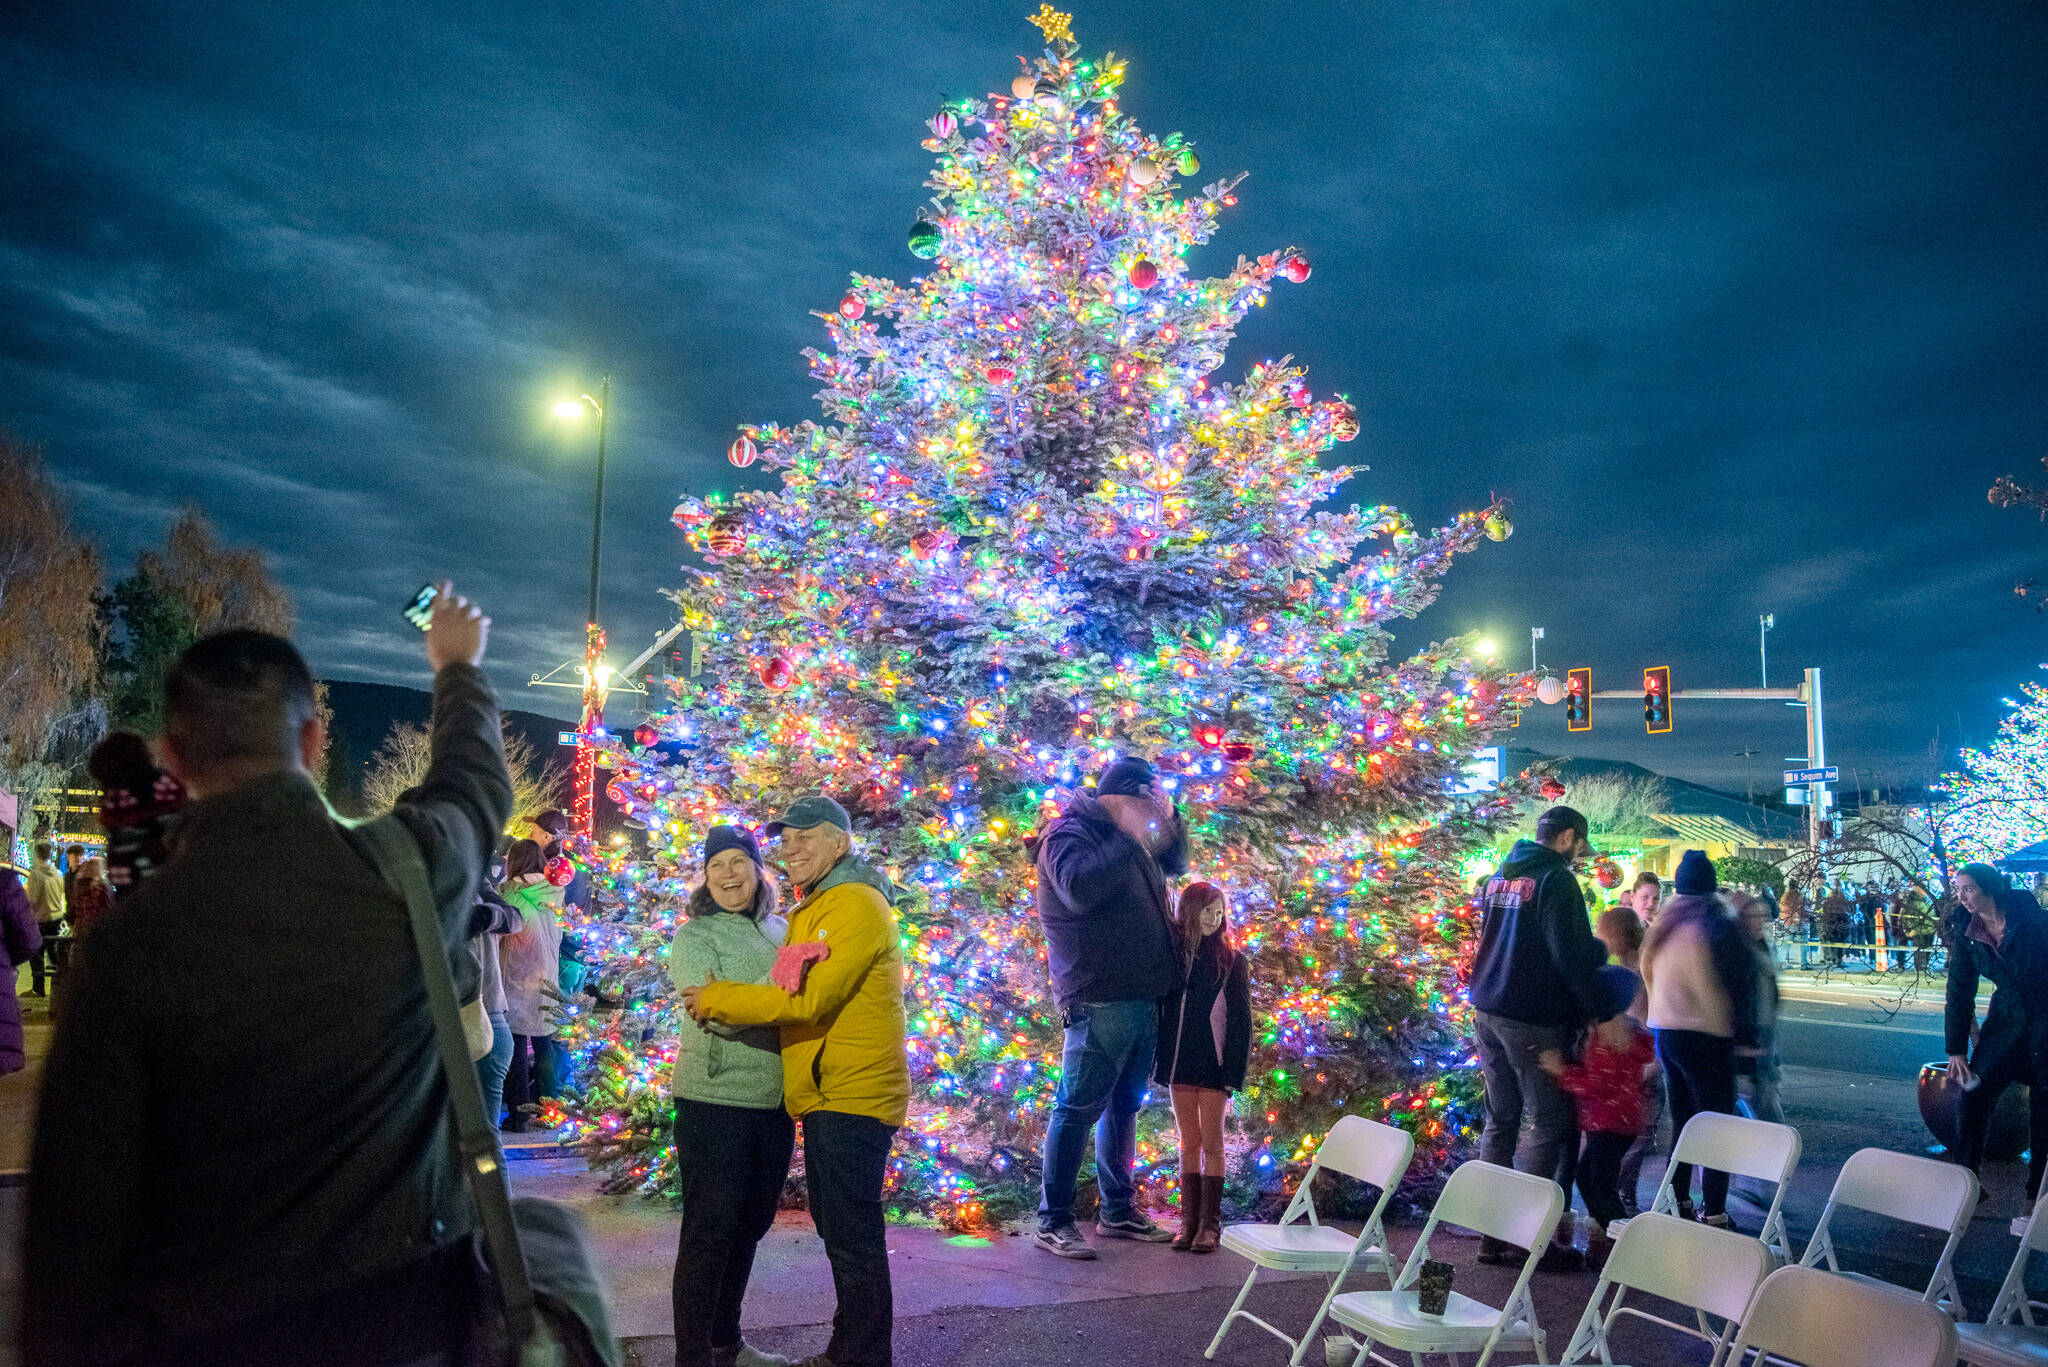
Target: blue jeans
(1104,1076)
(492,1067)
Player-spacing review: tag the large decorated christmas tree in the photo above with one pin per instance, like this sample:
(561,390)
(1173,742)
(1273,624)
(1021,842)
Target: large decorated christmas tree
(1998,800)
(1033,533)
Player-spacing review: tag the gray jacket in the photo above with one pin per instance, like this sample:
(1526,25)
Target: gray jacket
(720,1064)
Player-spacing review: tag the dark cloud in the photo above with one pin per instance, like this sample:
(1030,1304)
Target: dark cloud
(1745,308)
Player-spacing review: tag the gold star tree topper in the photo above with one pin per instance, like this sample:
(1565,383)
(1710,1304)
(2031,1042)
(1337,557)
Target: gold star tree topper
(1057,27)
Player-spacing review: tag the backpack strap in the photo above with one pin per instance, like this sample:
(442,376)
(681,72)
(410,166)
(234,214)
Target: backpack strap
(397,858)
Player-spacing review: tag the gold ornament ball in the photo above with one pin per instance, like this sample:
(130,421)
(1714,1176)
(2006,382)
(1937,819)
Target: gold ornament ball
(1025,86)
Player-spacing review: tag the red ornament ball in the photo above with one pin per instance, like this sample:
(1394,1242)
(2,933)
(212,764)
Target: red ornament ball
(742,452)
(1552,790)
(999,374)
(1144,275)
(728,535)
(688,515)
(561,872)
(925,544)
(645,735)
(944,124)
(1295,268)
(615,794)
(1345,426)
(1238,751)
(852,306)
(1607,873)
(1298,395)
(778,673)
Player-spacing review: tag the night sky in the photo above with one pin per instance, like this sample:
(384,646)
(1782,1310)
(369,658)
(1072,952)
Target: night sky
(1744,306)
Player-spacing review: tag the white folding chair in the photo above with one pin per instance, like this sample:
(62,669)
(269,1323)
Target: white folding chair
(1746,1148)
(1373,1153)
(1711,1272)
(1999,1341)
(1516,1208)
(1912,1190)
(1817,1319)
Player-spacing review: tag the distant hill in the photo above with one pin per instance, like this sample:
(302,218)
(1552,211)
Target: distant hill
(364,714)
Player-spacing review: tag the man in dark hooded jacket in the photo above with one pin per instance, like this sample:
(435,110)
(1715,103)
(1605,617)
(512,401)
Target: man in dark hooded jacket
(1534,988)
(1107,914)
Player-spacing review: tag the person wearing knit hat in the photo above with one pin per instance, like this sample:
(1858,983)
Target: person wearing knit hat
(1113,955)
(1534,990)
(733,1138)
(1702,985)
(835,995)
(1695,876)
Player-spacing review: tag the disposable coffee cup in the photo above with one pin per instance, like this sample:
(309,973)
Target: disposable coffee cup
(1433,1287)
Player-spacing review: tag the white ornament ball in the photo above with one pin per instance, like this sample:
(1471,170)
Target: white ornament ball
(1550,691)
(1144,172)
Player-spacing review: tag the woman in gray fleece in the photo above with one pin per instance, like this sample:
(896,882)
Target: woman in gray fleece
(733,1137)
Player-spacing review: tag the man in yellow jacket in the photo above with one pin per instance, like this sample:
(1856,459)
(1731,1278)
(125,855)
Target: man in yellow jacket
(837,994)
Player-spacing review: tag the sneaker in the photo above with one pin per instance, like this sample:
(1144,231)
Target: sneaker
(1136,1225)
(1062,1242)
(1561,1258)
(747,1355)
(1720,1221)
(2019,1226)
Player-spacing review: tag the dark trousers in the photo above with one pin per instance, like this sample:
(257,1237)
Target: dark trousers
(731,1163)
(45,959)
(534,1073)
(2001,1058)
(1699,1071)
(1600,1175)
(846,1158)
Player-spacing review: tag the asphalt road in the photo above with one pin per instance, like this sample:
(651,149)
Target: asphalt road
(1860,1031)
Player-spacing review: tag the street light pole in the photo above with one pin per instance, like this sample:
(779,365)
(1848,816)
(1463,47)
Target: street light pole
(583,807)
(1765,622)
(604,390)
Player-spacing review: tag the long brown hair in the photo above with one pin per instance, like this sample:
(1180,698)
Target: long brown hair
(523,858)
(1196,898)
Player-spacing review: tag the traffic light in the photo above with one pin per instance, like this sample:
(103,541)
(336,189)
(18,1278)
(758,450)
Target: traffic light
(1657,699)
(1578,700)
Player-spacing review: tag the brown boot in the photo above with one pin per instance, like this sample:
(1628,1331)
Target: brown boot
(1598,1248)
(1192,1185)
(1211,1232)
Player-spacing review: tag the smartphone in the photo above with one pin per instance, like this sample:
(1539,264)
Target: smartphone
(420,611)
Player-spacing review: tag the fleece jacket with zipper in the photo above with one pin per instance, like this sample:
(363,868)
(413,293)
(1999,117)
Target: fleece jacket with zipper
(720,1064)
(842,1033)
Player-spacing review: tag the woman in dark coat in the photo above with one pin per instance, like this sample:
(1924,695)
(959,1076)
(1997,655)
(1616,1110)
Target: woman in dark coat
(2000,935)
(22,942)
(1205,1042)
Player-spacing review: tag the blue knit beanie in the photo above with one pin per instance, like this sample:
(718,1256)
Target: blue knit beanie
(1695,875)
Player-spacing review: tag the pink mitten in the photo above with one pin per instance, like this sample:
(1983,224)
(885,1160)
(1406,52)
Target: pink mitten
(792,960)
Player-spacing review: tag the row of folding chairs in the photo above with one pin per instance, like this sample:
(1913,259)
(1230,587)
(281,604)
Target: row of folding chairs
(1523,1210)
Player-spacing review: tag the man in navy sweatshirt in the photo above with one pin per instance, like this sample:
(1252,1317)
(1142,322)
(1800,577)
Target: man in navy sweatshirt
(1534,989)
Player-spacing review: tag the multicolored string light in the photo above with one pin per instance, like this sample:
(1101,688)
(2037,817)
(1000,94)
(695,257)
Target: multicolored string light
(1035,534)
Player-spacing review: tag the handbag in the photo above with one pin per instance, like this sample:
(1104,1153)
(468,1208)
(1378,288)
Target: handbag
(551,1305)
(477,1032)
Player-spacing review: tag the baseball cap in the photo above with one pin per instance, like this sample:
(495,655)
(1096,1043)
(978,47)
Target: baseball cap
(813,809)
(1129,776)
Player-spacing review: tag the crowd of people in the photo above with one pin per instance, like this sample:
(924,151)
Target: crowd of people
(193,1199)
(265,1174)
(1587,1031)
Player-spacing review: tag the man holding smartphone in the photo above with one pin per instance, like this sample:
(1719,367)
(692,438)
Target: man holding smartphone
(265,1176)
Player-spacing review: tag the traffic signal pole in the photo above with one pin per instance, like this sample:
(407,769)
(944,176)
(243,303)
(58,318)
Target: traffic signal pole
(1808,694)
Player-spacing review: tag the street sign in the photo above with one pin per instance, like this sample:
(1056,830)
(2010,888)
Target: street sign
(1828,775)
(569,738)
